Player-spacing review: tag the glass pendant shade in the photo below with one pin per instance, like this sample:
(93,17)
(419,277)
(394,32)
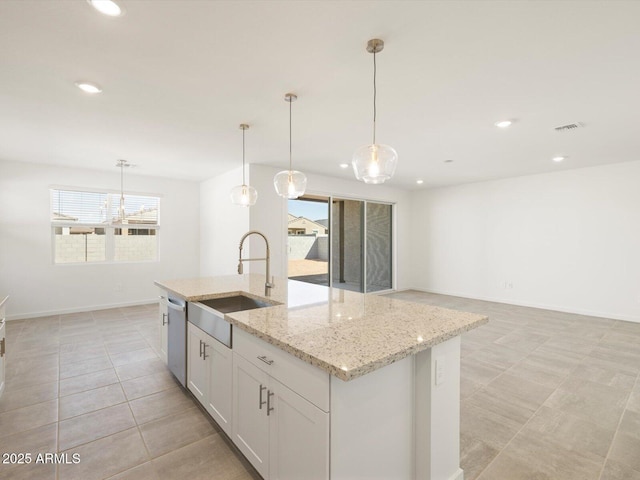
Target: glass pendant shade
(244,195)
(121,213)
(290,183)
(374,163)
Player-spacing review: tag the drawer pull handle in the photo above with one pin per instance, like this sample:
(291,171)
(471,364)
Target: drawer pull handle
(265,359)
(269,407)
(164,319)
(261,401)
(204,351)
(3,344)
(200,348)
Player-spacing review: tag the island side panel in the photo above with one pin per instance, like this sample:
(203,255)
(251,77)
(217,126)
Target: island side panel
(372,424)
(437,412)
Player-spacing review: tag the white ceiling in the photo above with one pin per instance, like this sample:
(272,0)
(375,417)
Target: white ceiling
(180,76)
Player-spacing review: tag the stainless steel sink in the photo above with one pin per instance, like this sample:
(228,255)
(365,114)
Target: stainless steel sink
(208,315)
(237,303)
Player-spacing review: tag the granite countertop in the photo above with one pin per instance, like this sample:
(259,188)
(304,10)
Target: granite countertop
(347,334)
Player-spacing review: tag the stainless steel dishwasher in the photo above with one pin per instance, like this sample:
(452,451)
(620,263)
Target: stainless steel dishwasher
(177,338)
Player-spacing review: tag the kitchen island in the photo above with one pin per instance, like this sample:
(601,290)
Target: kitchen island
(328,383)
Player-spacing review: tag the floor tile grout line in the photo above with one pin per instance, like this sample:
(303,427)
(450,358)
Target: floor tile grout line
(531,417)
(617,430)
(514,436)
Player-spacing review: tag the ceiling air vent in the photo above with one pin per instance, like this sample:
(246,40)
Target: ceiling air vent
(569,126)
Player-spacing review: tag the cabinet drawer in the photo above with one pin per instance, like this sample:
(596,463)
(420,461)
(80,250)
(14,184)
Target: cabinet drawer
(303,378)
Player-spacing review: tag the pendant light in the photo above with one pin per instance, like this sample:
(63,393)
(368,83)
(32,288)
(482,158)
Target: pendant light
(121,215)
(290,183)
(244,195)
(374,163)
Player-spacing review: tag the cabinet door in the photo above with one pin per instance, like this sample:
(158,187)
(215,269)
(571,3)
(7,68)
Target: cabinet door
(163,318)
(197,375)
(299,437)
(219,394)
(250,422)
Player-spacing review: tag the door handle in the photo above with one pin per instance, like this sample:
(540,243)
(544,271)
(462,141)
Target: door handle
(204,351)
(269,407)
(261,401)
(175,306)
(201,348)
(164,321)
(2,347)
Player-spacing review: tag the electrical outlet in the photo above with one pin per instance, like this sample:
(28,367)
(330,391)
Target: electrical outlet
(439,370)
(119,288)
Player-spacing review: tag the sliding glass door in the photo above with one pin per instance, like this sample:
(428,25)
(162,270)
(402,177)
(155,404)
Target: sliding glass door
(308,240)
(347,246)
(379,264)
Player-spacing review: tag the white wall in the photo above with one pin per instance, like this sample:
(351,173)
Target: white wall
(38,287)
(269,215)
(566,241)
(222,224)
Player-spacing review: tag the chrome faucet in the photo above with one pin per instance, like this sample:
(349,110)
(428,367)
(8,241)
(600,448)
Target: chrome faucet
(268,285)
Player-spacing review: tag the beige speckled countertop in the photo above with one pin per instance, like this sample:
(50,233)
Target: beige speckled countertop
(347,334)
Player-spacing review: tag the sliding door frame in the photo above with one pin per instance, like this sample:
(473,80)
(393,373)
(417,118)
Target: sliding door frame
(330,198)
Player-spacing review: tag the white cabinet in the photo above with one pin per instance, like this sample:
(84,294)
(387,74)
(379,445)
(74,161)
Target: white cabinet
(219,391)
(196,363)
(3,345)
(298,437)
(209,365)
(284,435)
(250,421)
(163,319)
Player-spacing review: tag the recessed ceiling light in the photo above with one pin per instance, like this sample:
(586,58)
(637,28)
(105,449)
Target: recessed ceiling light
(558,159)
(344,165)
(448,161)
(419,182)
(503,123)
(107,7)
(88,87)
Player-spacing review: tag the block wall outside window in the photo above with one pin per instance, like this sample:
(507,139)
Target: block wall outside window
(89,227)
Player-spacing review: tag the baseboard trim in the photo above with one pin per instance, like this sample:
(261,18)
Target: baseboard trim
(86,308)
(542,306)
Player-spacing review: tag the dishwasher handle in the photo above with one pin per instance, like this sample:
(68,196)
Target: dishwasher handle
(175,306)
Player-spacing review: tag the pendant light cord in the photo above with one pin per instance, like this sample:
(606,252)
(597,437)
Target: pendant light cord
(243,182)
(290,163)
(374,97)
(122,192)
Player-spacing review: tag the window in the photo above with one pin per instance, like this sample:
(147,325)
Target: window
(89,227)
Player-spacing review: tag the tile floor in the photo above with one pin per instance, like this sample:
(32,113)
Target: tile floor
(92,384)
(545,396)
